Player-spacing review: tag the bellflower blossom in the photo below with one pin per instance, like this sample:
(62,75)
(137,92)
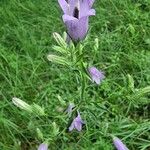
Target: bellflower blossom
(77,123)
(43,146)
(118,144)
(76,17)
(96,75)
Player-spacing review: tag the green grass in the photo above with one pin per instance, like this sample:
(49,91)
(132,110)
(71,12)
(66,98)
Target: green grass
(115,107)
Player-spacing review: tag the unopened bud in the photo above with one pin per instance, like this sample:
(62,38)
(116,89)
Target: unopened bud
(21,104)
(57,59)
(130,82)
(39,133)
(55,129)
(59,39)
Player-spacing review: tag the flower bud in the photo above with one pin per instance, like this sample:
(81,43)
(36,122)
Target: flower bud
(59,39)
(21,104)
(39,133)
(57,59)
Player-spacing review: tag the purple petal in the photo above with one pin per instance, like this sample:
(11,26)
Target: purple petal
(77,30)
(64,5)
(77,123)
(71,126)
(91,12)
(43,146)
(78,118)
(84,8)
(96,75)
(119,144)
(71,4)
(91,2)
(87,13)
(95,79)
(67,18)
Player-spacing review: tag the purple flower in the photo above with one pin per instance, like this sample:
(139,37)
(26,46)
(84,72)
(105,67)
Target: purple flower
(118,144)
(96,75)
(76,17)
(70,108)
(77,123)
(43,146)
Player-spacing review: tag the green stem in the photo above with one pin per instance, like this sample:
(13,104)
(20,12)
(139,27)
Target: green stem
(81,73)
(82,86)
